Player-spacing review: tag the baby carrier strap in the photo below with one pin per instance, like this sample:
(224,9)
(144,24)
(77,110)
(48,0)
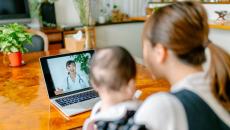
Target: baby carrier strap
(199,115)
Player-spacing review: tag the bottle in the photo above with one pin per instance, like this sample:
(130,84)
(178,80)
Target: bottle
(101,18)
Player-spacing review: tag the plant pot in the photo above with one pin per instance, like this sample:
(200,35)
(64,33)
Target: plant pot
(15,59)
(48,14)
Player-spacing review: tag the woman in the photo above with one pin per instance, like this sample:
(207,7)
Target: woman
(73,81)
(174,43)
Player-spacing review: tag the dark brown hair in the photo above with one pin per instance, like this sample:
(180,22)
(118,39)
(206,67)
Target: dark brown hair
(183,28)
(112,67)
(69,62)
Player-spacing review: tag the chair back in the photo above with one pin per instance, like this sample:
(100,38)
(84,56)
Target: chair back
(39,41)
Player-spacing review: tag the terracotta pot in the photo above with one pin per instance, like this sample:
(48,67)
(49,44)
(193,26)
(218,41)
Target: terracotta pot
(15,59)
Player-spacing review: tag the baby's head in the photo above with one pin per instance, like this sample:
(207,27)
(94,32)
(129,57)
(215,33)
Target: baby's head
(113,70)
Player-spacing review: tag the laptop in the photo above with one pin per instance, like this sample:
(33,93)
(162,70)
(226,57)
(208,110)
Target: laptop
(67,82)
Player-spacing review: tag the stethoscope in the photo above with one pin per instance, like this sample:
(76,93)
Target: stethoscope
(80,81)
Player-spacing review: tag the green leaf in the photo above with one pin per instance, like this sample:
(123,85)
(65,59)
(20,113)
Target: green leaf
(4,45)
(13,38)
(7,31)
(21,35)
(13,49)
(6,49)
(22,39)
(83,59)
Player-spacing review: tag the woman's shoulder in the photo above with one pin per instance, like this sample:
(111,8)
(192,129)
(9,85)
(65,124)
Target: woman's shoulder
(161,99)
(162,111)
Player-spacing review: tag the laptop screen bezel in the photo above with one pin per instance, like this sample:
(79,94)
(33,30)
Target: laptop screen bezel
(48,78)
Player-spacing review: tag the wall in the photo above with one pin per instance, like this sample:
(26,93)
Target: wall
(67,15)
(126,35)
(221,38)
(129,36)
(131,7)
(210,8)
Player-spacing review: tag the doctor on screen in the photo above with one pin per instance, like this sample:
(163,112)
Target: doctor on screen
(73,81)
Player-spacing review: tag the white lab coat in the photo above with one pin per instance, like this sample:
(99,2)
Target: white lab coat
(79,83)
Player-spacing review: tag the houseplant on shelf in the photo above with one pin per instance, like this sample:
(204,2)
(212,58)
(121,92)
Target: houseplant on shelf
(39,9)
(13,37)
(83,8)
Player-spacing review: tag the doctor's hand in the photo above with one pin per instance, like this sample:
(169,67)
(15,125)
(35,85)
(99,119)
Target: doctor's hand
(58,91)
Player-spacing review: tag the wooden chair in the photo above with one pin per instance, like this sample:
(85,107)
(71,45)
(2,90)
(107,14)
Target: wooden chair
(39,40)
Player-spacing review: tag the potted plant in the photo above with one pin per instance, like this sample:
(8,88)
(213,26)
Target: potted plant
(83,8)
(13,37)
(47,10)
(39,9)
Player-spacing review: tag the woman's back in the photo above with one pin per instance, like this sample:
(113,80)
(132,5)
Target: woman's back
(168,112)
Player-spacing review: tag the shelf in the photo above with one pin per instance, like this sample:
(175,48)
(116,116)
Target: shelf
(211,25)
(218,26)
(201,2)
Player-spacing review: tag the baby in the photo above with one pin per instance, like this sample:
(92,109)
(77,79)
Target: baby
(112,75)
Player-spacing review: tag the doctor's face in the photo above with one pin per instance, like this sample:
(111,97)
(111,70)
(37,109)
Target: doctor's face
(71,68)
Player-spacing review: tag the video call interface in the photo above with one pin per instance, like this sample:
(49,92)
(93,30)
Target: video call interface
(69,73)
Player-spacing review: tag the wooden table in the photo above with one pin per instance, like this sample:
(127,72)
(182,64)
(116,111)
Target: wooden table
(24,103)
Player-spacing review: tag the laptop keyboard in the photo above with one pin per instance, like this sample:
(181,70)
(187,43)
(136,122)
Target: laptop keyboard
(76,98)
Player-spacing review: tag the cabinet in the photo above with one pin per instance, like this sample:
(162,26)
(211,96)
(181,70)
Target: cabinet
(56,36)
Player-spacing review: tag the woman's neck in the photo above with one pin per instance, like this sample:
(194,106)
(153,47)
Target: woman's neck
(73,76)
(182,71)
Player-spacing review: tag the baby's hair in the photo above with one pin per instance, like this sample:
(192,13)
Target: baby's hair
(112,67)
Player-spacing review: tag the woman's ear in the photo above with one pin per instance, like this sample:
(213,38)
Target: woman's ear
(161,53)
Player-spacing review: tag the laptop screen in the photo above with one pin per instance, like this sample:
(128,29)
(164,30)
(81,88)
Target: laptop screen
(66,73)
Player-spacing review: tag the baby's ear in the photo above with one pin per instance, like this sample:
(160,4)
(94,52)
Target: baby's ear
(132,86)
(131,83)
